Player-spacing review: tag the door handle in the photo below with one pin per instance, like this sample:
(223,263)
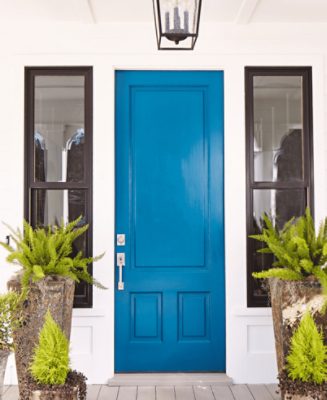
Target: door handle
(120,265)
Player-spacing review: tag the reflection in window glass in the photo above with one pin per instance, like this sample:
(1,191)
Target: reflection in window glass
(280,205)
(59,128)
(50,207)
(278,128)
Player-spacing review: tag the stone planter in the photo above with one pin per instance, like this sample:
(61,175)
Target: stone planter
(55,395)
(290,300)
(55,293)
(4,354)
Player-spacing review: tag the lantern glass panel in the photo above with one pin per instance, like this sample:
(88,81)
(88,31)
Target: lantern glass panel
(177,22)
(179,16)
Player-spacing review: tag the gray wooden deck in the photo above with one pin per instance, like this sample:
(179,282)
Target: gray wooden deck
(218,392)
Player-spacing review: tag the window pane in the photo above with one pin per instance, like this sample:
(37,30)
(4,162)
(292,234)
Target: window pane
(59,129)
(278,128)
(280,205)
(50,207)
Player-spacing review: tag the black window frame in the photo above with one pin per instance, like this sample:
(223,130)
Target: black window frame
(308,179)
(86,299)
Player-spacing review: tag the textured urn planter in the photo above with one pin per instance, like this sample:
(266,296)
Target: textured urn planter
(4,354)
(54,293)
(290,300)
(53,395)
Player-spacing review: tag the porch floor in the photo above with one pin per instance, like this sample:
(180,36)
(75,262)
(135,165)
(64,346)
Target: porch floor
(216,392)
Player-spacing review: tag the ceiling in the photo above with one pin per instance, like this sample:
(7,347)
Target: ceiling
(107,11)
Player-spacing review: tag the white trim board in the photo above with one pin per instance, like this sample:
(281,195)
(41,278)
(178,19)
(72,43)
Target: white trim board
(169,379)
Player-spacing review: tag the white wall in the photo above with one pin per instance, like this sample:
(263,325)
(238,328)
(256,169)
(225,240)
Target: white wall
(250,348)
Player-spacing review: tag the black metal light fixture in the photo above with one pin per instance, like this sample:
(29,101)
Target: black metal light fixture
(177,23)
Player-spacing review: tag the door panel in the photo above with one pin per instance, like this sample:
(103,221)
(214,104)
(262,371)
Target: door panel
(167,158)
(169,204)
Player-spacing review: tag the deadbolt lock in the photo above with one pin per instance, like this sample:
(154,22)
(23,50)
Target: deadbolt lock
(121,239)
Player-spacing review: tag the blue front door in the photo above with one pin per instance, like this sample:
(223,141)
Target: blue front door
(170,315)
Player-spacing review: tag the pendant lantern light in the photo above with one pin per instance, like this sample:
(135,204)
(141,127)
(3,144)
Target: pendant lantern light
(177,23)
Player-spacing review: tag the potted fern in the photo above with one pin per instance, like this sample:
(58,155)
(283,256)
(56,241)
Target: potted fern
(49,270)
(50,376)
(305,374)
(9,321)
(298,277)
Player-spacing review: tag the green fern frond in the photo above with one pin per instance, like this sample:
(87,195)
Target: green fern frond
(49,251)
(307,265)
(281,273)
(259,237)
(264,250)
(98,284)
(286,259)
(296,248)
(301,247)
(15,234)
(269,226)
(7,246)
(38,273)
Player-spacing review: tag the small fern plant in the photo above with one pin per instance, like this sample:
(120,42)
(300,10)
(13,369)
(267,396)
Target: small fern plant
(307,359)
(48,250)
(50,361)
(298,250)
(10,307)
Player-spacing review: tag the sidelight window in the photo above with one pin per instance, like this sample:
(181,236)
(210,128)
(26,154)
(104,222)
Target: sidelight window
(58,153)
(279,156)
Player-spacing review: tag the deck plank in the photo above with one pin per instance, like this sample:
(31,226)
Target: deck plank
(93,392)
(272,388)
(216,392)
(12,393)
(108,393)
(241,392)
(127,393)
(165,393)
(184,393)
(222,393)
(146,393)
(203,393)
(260,392)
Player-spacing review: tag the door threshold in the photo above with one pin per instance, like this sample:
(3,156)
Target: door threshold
(170,379)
